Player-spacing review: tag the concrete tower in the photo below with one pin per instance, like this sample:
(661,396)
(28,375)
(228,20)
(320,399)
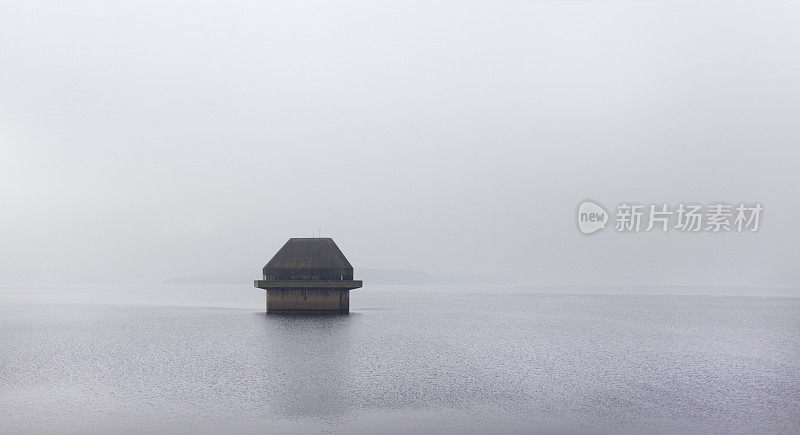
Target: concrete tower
(308,275)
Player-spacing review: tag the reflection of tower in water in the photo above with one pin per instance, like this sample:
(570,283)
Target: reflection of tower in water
(311,372)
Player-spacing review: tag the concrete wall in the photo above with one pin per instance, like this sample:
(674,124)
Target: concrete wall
(320,300)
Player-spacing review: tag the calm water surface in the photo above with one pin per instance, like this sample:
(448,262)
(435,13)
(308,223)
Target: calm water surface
(407,359)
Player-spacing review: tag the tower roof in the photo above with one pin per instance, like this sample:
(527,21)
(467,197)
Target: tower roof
(309,254)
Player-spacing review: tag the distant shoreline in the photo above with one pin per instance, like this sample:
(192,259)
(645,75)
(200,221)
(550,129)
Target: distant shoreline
(371,276)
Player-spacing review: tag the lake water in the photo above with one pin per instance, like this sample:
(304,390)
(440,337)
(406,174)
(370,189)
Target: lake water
(406,360)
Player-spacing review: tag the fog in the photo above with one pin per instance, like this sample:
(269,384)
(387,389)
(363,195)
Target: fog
(146,140)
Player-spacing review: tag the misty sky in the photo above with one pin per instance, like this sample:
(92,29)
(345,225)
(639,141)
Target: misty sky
(146,140)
